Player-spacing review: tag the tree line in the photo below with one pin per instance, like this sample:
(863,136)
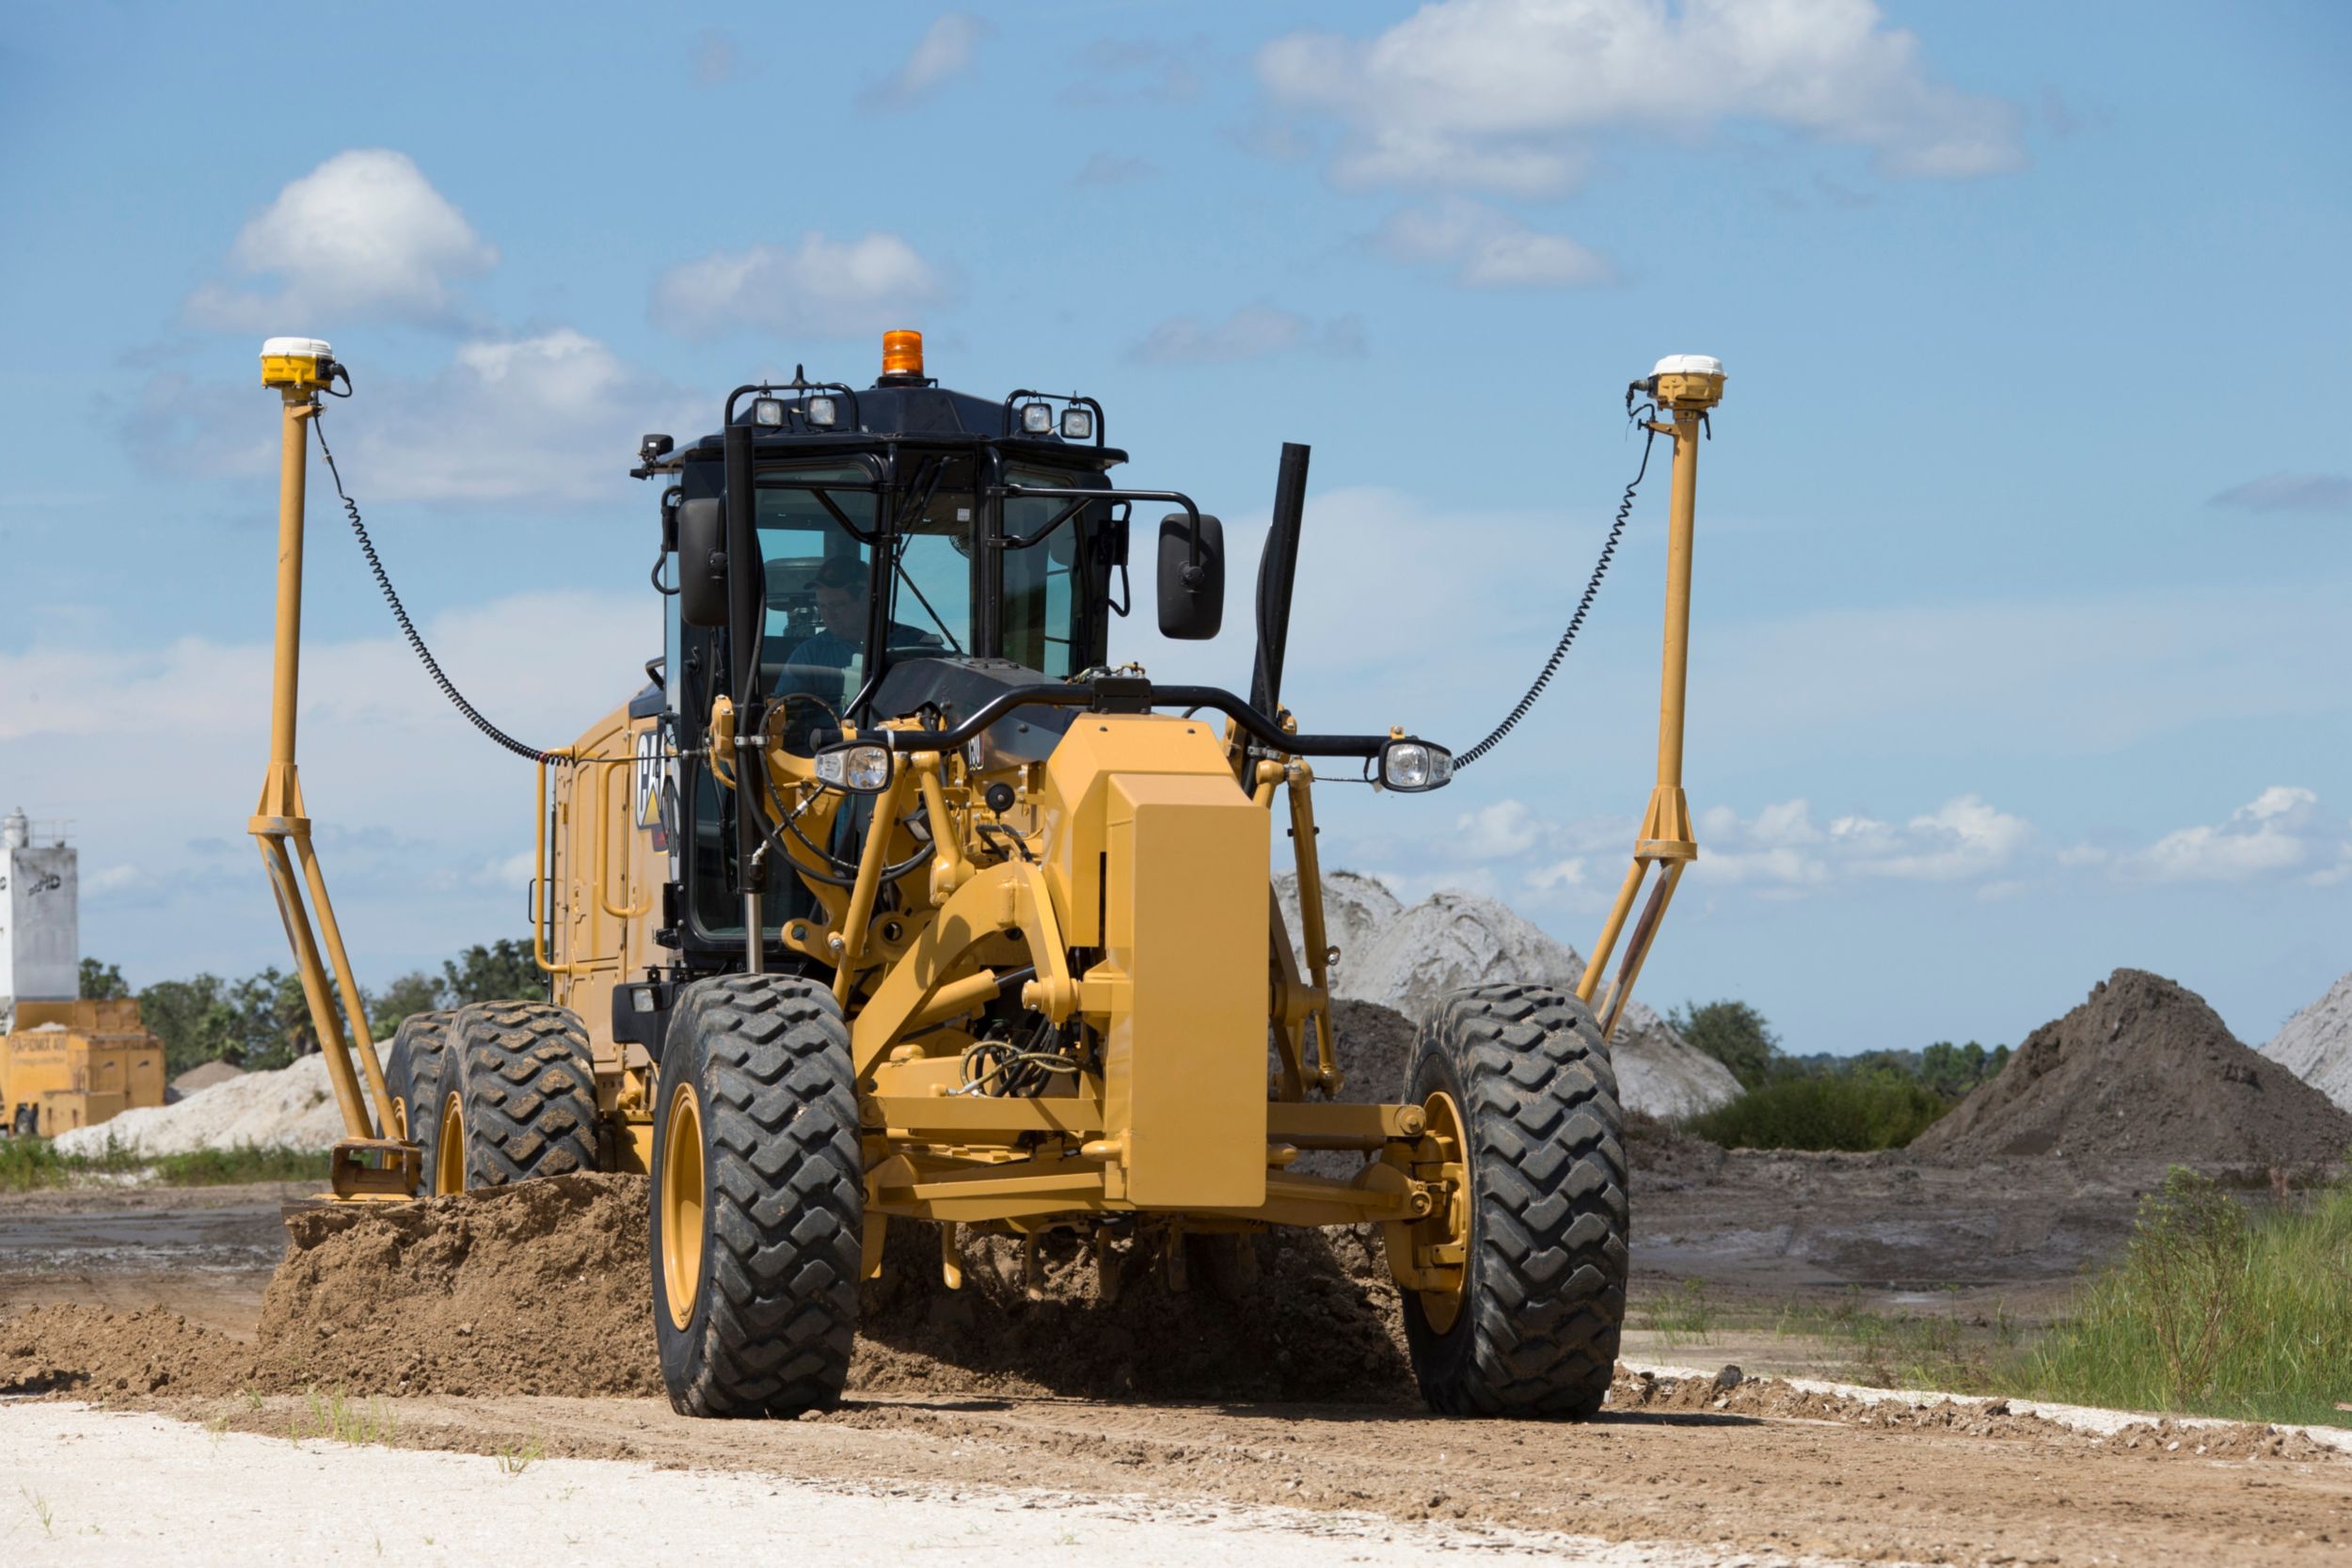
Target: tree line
(262,1020)
(1877,1099)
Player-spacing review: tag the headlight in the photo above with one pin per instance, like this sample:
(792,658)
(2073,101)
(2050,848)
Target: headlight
(1037,419)
(859,767)
(1409,767)
(1077,424)
(822,413)
(768,413)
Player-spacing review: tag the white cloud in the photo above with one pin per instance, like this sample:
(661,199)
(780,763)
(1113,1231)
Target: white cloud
(1488,248)
(1783,848)
(1252,332)
(1498,94)
(944,52)
(1496,831)
(542,420)
(2325,493)
(2277,832)
(819,287)
(417,815)
(715,58)
(362,237)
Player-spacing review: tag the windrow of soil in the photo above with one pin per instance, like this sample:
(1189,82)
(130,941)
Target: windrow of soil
(541,1289)
(2142,1070)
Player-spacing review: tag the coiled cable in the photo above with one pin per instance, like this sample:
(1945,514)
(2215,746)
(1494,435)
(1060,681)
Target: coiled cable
(408,627)
(1576,622)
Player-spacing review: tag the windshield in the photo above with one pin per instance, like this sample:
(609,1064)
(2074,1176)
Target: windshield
(819,576)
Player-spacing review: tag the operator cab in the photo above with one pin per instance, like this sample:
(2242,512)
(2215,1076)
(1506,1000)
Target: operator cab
(919,549)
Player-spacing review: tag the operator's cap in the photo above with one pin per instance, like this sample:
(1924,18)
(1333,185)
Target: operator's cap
(839,571)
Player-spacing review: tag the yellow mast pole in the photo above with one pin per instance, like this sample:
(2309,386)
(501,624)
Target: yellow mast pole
(298,369)
(1683,388)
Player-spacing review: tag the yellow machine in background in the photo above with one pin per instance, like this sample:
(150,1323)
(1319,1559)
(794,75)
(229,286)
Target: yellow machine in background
(76,1064)
(890,899)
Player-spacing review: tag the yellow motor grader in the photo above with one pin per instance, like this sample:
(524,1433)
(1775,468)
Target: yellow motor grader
(890,897)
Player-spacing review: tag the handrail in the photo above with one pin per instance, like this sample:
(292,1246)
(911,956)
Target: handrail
(1128,696)
(604,767)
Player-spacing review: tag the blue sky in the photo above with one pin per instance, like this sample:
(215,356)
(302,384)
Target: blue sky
(2025,542)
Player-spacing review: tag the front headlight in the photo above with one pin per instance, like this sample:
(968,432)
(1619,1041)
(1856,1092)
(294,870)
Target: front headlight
(859,767)
(1410,766)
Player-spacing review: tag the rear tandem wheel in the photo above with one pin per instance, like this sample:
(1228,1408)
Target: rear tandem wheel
(517,1098)
(412,1076)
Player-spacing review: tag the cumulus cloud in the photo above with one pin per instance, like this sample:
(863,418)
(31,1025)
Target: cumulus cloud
(1252,332)
(945,51)
(819,287)
(2330,493)
(2278,831)
(1487,248)
(413,807)
(363,237)
(550,419)
(1783,848)
(1499,94)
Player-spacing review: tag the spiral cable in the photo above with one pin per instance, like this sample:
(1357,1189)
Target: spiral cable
(1576,622)
(408,627)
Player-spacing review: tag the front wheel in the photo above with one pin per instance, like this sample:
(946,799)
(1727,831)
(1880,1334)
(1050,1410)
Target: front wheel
(758,1198)
(1515,1300)
(412,1075)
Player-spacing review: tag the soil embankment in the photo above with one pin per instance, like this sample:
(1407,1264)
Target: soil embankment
(2142,1070)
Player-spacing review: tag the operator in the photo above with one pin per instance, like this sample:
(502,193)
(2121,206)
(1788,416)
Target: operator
(840,586)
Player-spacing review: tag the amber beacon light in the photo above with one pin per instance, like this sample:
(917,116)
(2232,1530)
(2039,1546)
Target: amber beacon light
(902,353)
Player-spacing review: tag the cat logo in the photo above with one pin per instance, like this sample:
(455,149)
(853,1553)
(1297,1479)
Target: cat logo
(646,795)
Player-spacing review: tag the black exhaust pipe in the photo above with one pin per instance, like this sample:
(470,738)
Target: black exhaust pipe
(1278,568)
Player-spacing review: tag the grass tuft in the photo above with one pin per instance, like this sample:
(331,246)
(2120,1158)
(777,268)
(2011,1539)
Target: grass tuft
(2214,1313)
(333,1414)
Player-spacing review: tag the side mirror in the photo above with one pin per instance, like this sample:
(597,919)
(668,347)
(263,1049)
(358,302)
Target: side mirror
(1192,598)
(702,562)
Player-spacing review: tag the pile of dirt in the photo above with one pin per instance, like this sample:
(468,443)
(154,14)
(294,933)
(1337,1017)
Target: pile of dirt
(2316,1044)
(541,1288)
(291,1108)
(1408,958)
(2142,1069)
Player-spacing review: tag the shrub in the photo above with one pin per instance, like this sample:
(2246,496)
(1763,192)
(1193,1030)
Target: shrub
(1853,1110)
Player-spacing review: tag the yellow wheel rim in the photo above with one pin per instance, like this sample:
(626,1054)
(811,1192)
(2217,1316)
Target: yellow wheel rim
(400,1118)
(682,1205)
(1444,1236)
(448,1157)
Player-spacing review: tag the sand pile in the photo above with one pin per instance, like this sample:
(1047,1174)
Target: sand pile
(2316,1044)
(2142,1069)
(1407,958)
(293,1108)
(541,1289)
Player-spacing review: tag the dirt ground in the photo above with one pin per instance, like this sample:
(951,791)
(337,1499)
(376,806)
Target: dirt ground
(1756,1471)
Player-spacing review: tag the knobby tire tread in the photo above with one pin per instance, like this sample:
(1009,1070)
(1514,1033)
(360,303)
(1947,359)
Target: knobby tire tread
(784,1173)
(1551,1219)
(526,1079)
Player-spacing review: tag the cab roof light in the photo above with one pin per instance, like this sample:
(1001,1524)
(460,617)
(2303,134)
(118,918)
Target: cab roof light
(1037,419)
(1077,423)
(902,353)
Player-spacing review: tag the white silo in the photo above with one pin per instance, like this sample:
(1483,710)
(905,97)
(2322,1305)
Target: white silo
(40,944)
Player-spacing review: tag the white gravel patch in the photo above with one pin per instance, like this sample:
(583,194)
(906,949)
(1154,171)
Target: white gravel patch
(90,1486)
(292,1108)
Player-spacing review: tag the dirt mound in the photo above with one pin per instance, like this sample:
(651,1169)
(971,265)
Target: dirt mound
(2142,1069)
(2316,1044)
(541,1289)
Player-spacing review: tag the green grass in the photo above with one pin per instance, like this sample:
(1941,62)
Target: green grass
(333,1414)
(2213,1312)
(1856,1111)
(26,1163)
(1965,1353)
